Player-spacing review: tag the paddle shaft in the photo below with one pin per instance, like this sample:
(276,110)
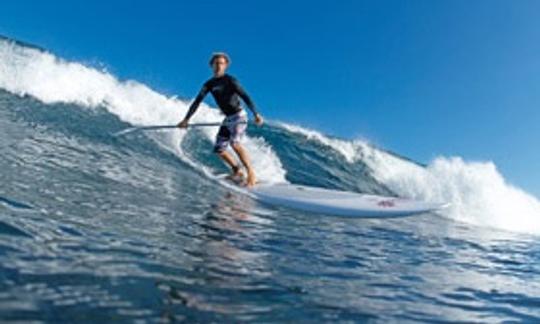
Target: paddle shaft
(157,127)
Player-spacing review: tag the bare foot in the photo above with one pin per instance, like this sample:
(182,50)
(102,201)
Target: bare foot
(251,180)
(237,172)
(237,175)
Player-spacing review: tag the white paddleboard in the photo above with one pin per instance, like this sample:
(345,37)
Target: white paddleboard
(335,202)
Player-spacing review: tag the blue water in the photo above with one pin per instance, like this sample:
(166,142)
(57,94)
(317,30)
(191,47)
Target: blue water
(97,228)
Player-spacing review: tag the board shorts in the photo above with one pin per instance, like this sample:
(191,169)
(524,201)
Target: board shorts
(231,131)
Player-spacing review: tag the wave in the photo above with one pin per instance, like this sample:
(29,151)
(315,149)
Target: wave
(31,71)
(477,192)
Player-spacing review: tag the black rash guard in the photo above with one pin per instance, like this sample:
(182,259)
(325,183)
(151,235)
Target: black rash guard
(225,90)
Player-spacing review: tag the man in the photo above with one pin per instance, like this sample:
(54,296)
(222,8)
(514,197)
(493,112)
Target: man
(226,91)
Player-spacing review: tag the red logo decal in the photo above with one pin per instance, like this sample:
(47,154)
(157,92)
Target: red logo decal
(386,203)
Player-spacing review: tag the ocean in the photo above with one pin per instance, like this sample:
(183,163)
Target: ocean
(102,228)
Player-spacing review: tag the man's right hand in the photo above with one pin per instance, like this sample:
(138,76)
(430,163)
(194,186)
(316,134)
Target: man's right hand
(183,124)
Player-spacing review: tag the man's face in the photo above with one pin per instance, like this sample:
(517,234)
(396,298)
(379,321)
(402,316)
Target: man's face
(219,65)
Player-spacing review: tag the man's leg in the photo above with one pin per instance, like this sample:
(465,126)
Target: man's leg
(242,154)
(222,141)
(225,156)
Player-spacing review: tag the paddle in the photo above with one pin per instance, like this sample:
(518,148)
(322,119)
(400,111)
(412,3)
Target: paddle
(158,127)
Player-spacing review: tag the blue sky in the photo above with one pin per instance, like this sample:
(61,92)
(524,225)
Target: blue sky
(421,78)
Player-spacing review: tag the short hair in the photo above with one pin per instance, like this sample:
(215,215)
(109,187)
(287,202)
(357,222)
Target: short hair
(218,55)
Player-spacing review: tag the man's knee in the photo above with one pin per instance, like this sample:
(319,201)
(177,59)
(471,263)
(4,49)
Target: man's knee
(219,150)
(236,146)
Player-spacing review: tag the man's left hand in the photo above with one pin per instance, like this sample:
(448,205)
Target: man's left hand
(259,120)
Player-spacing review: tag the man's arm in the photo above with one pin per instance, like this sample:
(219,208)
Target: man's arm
(251,105)
(194,105)
(243,94)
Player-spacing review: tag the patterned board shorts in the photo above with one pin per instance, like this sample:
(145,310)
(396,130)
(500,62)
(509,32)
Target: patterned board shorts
(231,131)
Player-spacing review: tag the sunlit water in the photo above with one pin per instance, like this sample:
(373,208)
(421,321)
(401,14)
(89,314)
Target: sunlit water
(100,228)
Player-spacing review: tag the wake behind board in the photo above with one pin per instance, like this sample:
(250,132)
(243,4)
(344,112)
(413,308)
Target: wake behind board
(335,202)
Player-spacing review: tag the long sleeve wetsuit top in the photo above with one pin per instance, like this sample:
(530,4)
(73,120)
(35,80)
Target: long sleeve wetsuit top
(226,90)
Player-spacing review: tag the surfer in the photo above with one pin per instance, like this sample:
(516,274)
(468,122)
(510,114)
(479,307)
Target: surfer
(226,91)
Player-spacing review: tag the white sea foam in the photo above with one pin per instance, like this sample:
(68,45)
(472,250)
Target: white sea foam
(476,191)
(28,71)
(348,149)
